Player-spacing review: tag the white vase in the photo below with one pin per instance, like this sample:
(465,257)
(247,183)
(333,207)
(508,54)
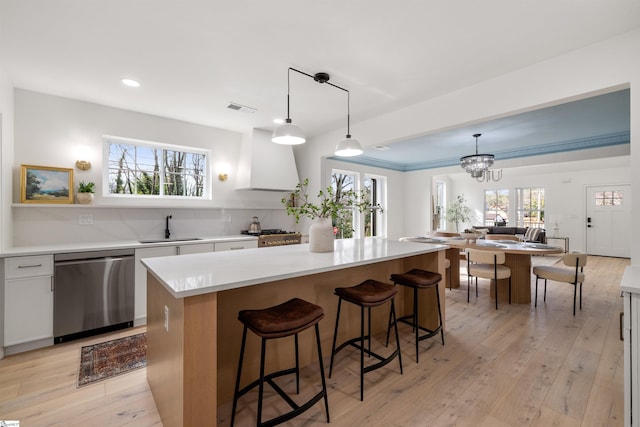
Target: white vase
(321,236)
(84,198)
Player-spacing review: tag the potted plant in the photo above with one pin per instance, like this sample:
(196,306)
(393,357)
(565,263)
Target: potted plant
(331,206)
(458,212)
(85,192)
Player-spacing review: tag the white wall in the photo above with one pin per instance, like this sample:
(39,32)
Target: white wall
(6,157)
(595,69)
(48,131)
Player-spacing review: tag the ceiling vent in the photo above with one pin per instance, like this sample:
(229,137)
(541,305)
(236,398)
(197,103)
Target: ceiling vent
(239,107)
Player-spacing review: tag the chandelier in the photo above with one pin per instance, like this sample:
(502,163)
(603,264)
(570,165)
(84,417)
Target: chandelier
(477,165)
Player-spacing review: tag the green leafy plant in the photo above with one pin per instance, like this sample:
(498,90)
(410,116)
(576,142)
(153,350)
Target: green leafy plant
(331,203)
(88,187)
(458,212)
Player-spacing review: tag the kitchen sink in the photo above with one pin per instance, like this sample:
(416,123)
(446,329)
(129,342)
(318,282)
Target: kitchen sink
(175,239)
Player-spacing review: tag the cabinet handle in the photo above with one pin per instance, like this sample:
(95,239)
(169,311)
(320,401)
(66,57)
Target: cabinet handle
(621,325)
(52,283)
(236,248)
(30,266)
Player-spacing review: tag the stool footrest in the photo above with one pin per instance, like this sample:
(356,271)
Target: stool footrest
(429,332)
(297,409)
(355,342)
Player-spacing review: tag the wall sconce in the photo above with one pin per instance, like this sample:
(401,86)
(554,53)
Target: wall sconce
(83,165)
(223,171)
(82,152)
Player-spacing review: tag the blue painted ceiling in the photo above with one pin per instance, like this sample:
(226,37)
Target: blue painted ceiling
(599,121)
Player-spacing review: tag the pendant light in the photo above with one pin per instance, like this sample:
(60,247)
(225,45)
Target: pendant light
(288,133)
(348,147)
(477,164)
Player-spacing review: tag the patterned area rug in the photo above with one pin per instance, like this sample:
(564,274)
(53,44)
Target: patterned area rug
(108,359)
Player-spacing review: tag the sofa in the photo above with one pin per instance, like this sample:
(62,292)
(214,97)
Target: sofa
(537,235)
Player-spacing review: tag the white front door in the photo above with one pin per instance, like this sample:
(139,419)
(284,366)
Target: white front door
(609,220)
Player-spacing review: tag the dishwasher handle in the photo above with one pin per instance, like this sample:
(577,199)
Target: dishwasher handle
(93,260)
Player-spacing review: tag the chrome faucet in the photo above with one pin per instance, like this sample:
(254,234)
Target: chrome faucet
(167,233)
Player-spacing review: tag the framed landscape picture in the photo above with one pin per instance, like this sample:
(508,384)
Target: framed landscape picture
(44,184)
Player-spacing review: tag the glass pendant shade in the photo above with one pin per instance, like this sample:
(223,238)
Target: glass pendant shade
(288,134)
(348,147)
(477,163)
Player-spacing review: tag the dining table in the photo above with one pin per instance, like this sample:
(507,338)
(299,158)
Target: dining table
(518,257)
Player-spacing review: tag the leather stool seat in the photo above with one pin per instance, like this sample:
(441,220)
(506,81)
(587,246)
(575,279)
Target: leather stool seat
(283,320)
(367,294)
(419,279)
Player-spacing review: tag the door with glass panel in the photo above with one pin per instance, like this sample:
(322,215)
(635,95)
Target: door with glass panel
(609,220)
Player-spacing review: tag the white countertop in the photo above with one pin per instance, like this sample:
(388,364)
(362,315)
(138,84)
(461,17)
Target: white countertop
(631,280)
(196,274)
(126,244)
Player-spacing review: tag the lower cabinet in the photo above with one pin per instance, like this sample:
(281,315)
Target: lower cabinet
(141,272)
(28,299)
(232,246)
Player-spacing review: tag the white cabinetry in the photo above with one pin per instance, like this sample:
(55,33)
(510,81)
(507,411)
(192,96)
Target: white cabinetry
(141,272)
(28,299)
(631,333)
(232,246)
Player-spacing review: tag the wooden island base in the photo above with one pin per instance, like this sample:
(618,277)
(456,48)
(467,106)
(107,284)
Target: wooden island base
(191,367)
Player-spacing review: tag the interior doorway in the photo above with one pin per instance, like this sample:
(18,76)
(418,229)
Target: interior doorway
(609,220)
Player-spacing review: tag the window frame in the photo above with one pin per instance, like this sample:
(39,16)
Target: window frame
(497,192)
(521,211)
(108,140)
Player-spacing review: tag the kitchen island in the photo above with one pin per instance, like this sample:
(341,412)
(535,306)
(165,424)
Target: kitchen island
(193,302)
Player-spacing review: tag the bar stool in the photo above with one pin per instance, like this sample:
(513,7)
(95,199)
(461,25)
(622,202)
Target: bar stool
(367,294)
(419,279)
(286,319)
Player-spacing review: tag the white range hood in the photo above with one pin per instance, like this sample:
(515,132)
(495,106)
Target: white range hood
(264,165)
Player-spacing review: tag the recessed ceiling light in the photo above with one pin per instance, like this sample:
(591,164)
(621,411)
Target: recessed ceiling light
(278,121)
(382,147)
(130,82)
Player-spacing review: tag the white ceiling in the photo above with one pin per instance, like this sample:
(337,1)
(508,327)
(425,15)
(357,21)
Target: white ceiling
(194,57)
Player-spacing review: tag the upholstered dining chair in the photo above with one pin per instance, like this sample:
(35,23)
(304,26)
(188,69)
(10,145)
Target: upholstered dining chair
(447,262)
(487,265)
(572,275)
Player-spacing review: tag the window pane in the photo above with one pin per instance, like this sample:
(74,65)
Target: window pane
(153,171)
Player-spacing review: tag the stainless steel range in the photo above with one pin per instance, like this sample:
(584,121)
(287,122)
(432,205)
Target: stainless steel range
(275,237)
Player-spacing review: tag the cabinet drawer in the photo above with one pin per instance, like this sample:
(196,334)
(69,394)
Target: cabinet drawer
(28,266)
(232,246)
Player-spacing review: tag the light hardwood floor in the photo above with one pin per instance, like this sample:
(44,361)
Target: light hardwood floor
(517,366)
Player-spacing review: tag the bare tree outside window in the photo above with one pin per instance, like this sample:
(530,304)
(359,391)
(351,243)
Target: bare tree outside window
(153,171)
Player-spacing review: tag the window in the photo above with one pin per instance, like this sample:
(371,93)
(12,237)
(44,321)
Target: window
(608,198)
(496,207)
(375,220)
(345,225)
(354,223)
(440,203)
(530,207)
(147,169)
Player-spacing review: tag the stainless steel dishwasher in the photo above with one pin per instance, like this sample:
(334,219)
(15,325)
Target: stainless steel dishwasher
(93,293)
